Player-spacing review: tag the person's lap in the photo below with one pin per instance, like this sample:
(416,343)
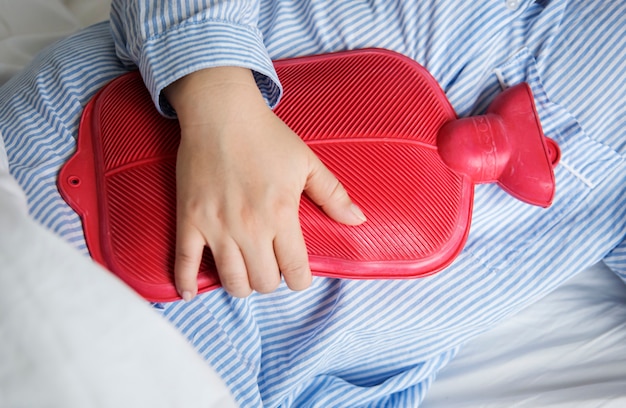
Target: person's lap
(41,109)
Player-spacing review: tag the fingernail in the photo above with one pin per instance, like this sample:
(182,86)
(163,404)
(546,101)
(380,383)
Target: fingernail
(357,212)
(187,296)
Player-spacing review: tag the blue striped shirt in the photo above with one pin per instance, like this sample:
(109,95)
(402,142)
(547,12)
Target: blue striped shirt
(349,343)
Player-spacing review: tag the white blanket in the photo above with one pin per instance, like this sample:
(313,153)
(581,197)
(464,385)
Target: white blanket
(73,335)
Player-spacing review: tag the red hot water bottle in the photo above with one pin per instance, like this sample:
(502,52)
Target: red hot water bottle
(380,123)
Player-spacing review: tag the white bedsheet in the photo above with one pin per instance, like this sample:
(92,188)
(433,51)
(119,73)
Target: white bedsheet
(26,26)
(568,350)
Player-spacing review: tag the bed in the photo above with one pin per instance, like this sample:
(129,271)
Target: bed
(568,350)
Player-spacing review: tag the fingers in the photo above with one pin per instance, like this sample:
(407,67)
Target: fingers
(189,246)
(326,191)
(231,268)
(255,259)
(252,252)
(246,260)
(291,254)
(260,262)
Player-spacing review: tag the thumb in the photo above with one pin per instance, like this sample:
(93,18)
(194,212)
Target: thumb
(323,188)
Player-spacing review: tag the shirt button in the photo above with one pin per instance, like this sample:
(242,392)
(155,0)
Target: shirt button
(513,4)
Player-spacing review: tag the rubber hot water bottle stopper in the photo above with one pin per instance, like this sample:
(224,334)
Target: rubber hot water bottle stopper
(377,119)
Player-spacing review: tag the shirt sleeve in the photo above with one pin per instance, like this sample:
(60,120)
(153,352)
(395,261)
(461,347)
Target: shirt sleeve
(616,260)
(168,39)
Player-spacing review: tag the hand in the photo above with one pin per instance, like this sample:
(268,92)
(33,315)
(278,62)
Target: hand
(240,175)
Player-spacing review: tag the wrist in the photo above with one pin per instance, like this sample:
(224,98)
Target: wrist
(213,94)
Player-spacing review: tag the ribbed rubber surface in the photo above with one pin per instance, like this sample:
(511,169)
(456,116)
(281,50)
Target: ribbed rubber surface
(371,116)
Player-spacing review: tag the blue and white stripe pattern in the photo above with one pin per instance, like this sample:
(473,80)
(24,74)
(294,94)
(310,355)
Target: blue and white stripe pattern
(366,343)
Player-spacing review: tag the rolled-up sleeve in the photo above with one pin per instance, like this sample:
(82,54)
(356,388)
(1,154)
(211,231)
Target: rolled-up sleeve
(168,39)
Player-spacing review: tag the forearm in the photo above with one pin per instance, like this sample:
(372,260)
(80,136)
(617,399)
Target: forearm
(168,41)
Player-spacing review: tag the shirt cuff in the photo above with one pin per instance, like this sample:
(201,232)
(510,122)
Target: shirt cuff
(206,44)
